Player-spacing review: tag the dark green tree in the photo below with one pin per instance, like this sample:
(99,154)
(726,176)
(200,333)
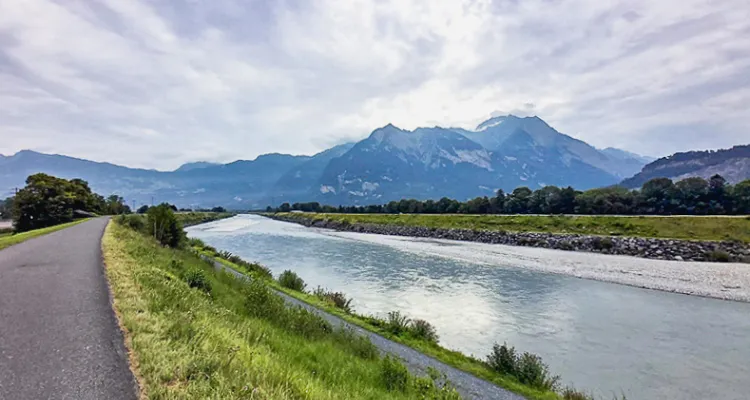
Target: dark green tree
(163,225)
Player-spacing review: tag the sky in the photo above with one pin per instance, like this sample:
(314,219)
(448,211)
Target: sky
(154,84)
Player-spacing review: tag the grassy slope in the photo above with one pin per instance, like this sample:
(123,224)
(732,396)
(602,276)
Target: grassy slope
(453,358)
(195,217)
(189,344)
(7,240)
(691,228)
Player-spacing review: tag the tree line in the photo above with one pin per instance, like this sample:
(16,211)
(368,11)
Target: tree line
(659,196)
(47,200)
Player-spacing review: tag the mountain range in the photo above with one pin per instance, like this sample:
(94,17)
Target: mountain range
(732,164)
(503,152)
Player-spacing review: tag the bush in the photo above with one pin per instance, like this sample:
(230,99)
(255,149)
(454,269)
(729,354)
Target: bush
(134,222)
(394,374)
(261,302)
(528,368)
(164,226)
(570,393)
(718,256)
(195,242)
(422,329)
(336,299)
(602,243)
(503,359)
(196,278)
(397,323)
(256,270)
(291,280)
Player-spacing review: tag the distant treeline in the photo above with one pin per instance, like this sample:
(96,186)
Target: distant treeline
(660,196)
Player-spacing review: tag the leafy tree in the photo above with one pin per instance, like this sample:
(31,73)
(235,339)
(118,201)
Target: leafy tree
(163,225)
(218,210)
(741,197)
(518,201)
(285,207)
(143,209)
(47,200)
(656,196)
(6,208)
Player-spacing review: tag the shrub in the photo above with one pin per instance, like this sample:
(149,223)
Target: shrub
(291,280)
(195,242)
(197,279)
(531,371)
(422,329)
(360,345)
(572,394)
(394,374)
(164,226)
(718,256)
(256,270)
(261,302)
(134,222)
(304,322)
(336,299)
(503,359)
(397,323)
(528,368)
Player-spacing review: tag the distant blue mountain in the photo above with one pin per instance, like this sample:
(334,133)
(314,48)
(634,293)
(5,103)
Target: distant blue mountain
(503,152)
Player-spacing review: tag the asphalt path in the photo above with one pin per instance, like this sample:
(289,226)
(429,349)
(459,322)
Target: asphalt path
(59,338)
(468,385)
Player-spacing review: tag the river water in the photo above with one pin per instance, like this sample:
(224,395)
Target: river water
(604,338)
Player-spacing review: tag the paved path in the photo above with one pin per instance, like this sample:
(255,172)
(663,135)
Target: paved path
(469,386)
(58,335)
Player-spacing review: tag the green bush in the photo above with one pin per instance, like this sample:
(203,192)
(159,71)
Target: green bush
(291,280)
(394,374)
(196,278)
(529,369)
(603,243)
(134,222)
(164,226)
(503,359)
(422,329)
(570,393)
(397,323)
(261,302)
(336,299)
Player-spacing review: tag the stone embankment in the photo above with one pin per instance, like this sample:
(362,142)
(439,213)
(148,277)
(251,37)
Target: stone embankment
(661,249)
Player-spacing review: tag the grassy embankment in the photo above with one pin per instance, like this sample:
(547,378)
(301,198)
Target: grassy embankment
(197,217)
(679,227)
(540,385)
(8,239)
(196,333)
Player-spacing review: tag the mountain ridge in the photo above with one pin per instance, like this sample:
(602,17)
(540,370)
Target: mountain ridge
(504,152)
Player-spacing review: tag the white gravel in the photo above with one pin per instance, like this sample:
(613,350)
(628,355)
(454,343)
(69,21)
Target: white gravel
(728,281)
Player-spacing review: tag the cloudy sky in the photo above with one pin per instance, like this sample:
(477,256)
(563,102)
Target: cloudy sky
(158,83)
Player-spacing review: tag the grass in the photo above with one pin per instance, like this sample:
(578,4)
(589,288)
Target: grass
(679,227)
(9,239)
(399,329)
(196,217)
(195,333)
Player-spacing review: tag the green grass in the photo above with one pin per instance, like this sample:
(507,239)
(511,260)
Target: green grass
(197,217)
(454,358)
(194,333)
(9,239)
(689,228)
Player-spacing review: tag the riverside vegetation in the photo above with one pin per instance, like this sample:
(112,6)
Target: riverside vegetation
(525,373)
(195,332)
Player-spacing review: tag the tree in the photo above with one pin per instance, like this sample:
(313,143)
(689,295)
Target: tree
(218,210)
(741,197)
(497,203)
(692,196)
(45,201)
(115,205)
(656,196)
(143,209)
(285,207)
(163,225)
(6,208)
(518,201)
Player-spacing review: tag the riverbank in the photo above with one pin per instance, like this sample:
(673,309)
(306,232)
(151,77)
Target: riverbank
(195,333)
(491,230)
(199,217)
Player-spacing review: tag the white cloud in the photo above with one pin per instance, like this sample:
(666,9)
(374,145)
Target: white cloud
(154,85)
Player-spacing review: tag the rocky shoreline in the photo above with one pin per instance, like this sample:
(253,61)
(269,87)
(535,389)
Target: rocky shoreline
(659,249)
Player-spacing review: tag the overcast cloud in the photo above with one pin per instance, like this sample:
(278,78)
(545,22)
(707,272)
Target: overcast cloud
(155,83)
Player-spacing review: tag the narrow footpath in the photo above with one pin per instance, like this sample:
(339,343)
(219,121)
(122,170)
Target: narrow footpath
(59,338)
(468,385)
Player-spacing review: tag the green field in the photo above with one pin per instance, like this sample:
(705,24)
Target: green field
(680,227)
(7,239)
(194,333)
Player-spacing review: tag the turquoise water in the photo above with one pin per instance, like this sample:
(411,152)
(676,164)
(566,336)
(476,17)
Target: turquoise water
(605,338)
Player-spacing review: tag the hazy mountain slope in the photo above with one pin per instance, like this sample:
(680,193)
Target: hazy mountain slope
(733,164)
(195,165)
(296,184)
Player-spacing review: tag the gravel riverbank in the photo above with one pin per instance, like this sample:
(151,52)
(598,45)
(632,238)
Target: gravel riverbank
(727,281)
(658,249)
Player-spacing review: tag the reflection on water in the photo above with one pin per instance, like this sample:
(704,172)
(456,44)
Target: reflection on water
(603,337)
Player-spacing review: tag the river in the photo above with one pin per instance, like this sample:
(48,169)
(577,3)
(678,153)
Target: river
(603,338)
